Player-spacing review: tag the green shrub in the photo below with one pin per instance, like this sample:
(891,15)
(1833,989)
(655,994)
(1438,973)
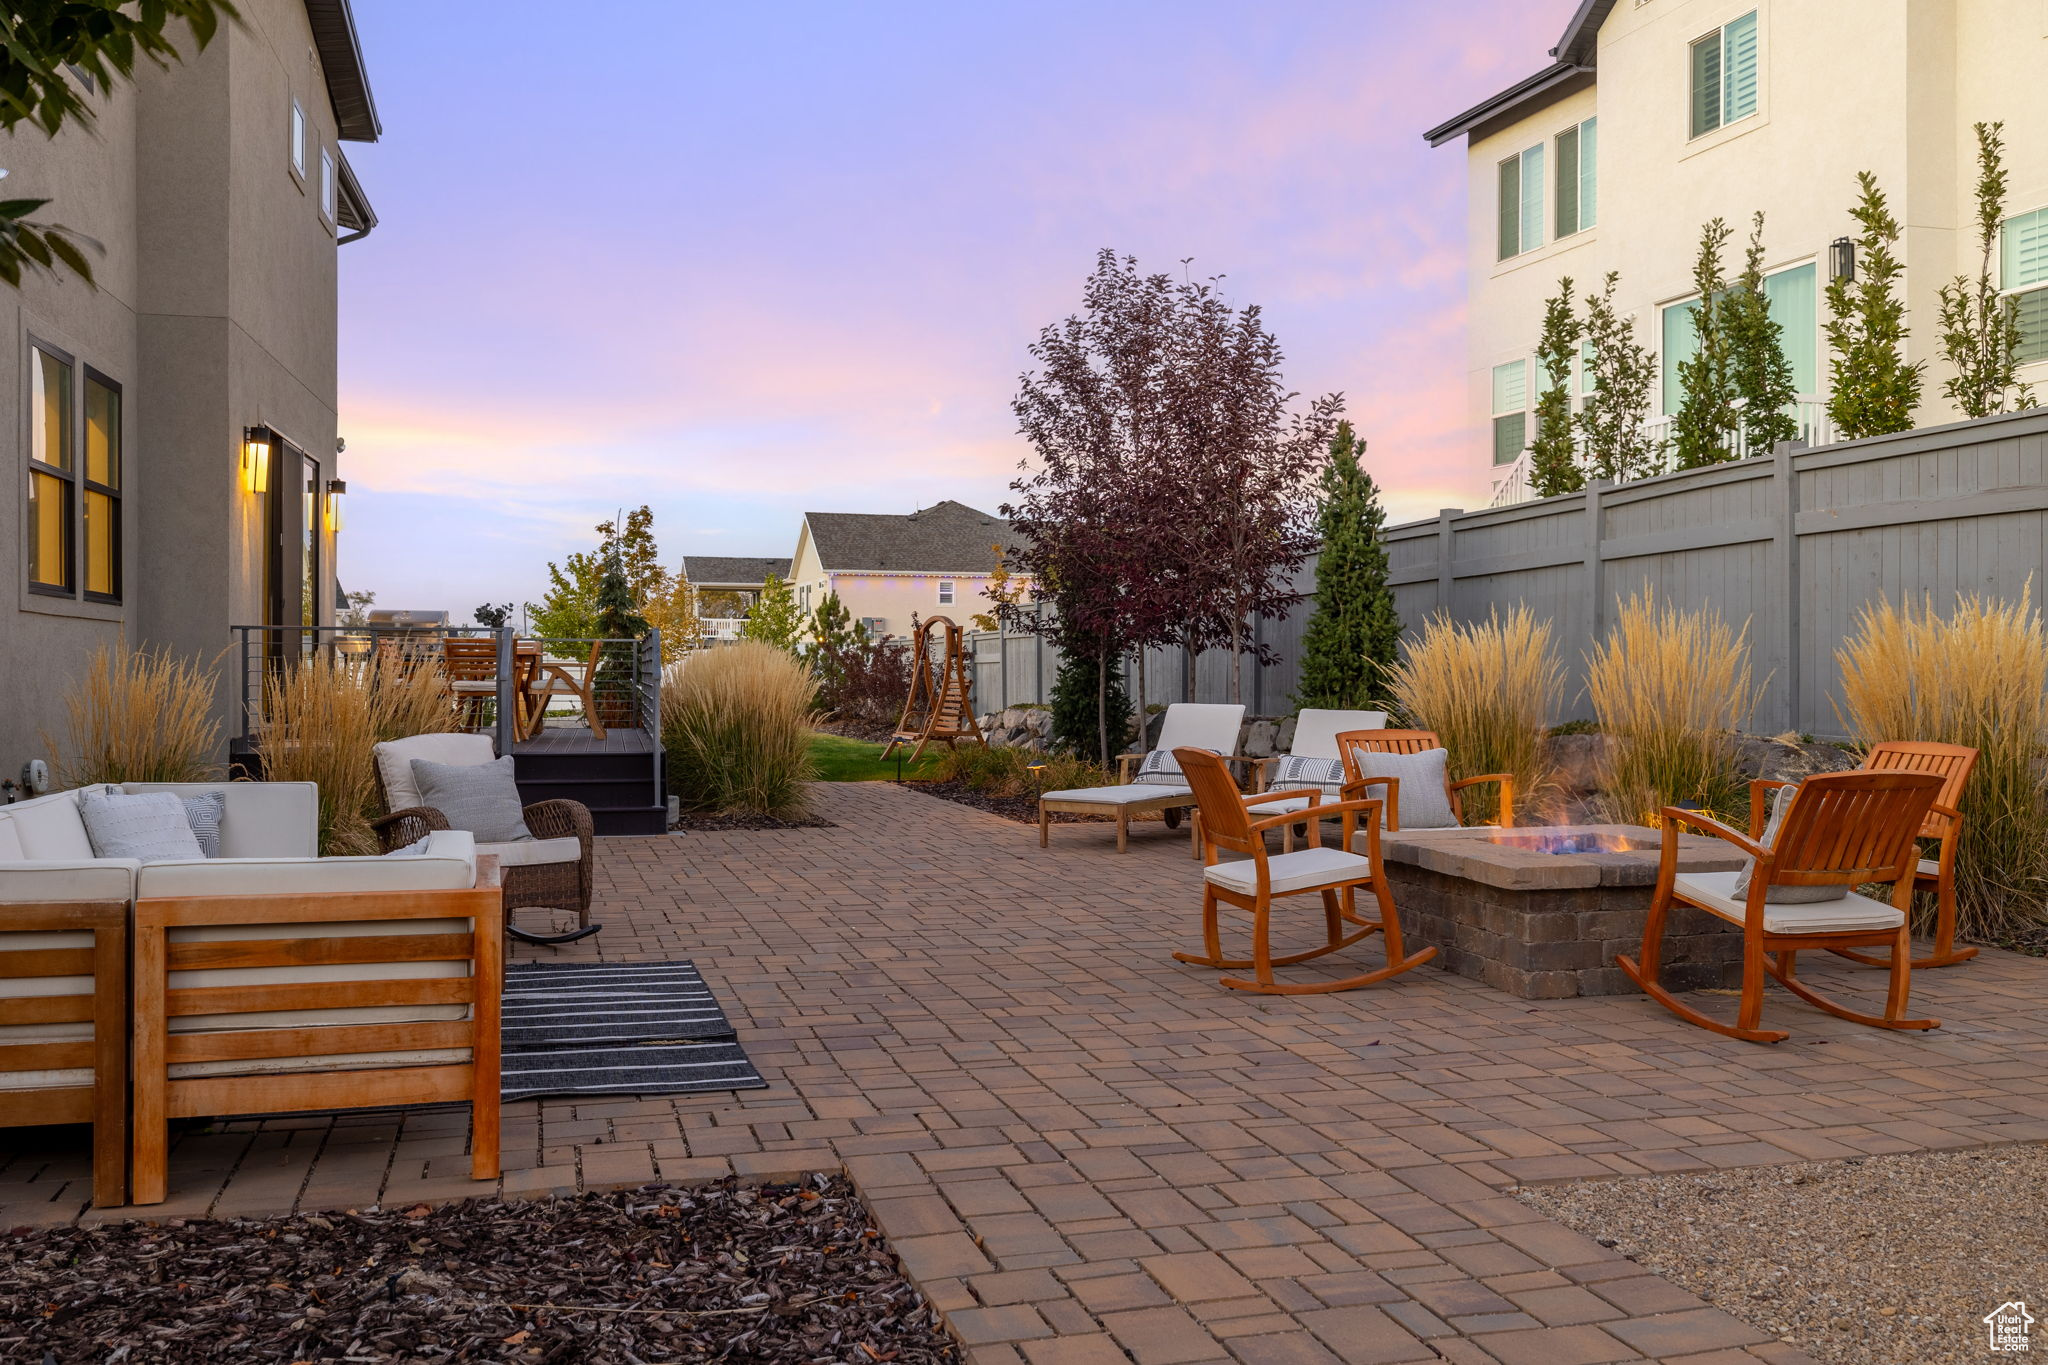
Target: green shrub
(1074,698)
(736,723)
(1008,772)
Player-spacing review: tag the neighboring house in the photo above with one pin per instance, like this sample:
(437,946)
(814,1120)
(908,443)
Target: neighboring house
(172,433)
(724,588)
(1658,115)
(887,569)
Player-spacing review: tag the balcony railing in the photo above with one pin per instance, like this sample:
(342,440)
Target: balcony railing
(1511,482)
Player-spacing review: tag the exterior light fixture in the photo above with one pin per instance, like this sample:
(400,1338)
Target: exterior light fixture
(1842,259)
(256,459)
(336,488)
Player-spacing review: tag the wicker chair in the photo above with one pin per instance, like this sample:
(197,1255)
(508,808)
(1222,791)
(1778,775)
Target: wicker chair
(546,872)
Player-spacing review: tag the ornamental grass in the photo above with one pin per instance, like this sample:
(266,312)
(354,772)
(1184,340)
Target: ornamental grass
(140,716)
(1488,689)
(1017,771)
(1977,676)
(736,722)
(1672,688)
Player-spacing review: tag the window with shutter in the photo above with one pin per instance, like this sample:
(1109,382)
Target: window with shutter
(2023,266)
(1589,161)
(1574,179)
(1532,198)
(1706,84)
(1510,207)
(1510,410)
(1725,74)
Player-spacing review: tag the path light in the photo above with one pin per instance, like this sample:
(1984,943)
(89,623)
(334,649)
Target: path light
(256,459)
(1037,771)
(1842,259)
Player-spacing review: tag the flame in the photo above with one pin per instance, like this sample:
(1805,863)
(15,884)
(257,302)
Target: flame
(1564,839)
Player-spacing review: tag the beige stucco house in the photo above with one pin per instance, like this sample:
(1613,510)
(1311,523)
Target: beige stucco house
(138,506)
(937,561)
(1654,116)
(724,588)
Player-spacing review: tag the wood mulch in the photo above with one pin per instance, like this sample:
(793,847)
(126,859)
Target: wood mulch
(707,822)
(777,1273)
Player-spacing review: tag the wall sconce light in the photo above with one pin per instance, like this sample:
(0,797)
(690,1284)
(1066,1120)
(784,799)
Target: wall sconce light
(1842,259)
(335,489)
(256,459)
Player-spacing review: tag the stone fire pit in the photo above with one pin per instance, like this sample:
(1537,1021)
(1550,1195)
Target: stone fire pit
(1505,909)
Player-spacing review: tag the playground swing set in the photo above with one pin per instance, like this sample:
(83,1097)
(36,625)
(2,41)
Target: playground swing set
(938,709)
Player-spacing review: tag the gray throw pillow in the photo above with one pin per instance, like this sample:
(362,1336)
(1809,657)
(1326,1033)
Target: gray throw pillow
(479,797)
(1781,801)
(149,827)
(1421,802)
(203,813)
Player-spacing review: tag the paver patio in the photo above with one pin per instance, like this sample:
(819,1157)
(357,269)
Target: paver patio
(1086,1152)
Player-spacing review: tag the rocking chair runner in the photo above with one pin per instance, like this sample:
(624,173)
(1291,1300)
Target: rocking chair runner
(1255,883)
(1953,764)
(1842,829)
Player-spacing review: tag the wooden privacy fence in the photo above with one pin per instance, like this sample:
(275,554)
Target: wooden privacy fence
(1794,544)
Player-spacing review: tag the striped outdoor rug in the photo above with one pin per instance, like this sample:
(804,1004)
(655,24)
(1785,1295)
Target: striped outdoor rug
(618,1028)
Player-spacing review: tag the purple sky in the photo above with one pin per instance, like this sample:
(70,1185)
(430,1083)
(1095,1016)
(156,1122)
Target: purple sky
(744,261)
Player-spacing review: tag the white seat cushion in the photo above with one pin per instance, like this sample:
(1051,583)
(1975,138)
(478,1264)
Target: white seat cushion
(535,852)
(62,879)
(1296,871)
(1930,867)
(10,842)
(1262,808)
(1714,891)
(1316,731)
(448,863)
(1120,796)
(1201,725)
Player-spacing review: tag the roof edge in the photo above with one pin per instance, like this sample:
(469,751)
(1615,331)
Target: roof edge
(1521,97)
(351,206)
(341,62)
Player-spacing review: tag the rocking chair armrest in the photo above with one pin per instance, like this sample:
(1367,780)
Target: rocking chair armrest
(558,819)
(1757,787)
(408,826)
(1707,824)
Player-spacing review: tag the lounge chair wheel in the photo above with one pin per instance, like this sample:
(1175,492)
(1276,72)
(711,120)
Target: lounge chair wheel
(551,940)
(1172,817)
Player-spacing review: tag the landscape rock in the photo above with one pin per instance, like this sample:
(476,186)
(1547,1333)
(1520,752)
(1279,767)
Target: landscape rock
(1576,762)
(1788,758)
(1258,738)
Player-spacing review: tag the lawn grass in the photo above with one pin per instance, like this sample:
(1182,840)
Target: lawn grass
(840,759)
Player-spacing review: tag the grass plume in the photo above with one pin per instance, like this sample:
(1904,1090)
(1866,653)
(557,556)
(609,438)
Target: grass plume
(736,722)
(1488,688)
(140,716)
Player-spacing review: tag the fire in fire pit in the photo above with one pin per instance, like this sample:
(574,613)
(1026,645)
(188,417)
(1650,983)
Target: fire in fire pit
(1565,839)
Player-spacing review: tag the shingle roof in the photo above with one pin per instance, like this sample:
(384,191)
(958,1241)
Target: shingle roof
(737,571)
(947,537)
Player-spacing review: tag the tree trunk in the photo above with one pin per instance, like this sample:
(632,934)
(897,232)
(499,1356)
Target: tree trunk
(1237,657)
(1187,653)
(1144,720)
(1102,700)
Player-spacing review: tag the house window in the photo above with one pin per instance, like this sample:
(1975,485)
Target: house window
(1793,294)
(52,473)
(298,147)
(945,592)
(1510,411)
(1724,75)
(102,488)
(1585,367)
(1576,148)
(2023,274)
(327,186)
(873,626)
(1521,202)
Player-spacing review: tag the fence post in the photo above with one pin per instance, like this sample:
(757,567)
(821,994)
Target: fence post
(505,727)
(1596,567)
(1446,562)
(1784,641)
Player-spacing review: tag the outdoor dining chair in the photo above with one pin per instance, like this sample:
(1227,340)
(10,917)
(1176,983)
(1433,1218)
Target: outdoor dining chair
(471,669)
(567,678)
(1828,835)
(1254,882)
(1953,764)
(1382,759)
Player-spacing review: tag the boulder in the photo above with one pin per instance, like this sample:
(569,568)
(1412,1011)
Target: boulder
(1283,740)
(1258,737)
(1576,761)
(1788,758)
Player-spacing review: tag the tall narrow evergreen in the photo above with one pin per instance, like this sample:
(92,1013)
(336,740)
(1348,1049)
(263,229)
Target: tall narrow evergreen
(1553,454)
(1703,430)
(1352,635)
(1758,366)
(1980,328)
(1873,391)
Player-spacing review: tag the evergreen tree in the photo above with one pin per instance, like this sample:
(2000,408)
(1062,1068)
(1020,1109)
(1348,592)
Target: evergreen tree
(1624,376)
(1980,328)
(619,621)
(1703,429)
(833,633)
(1076,691)
(1350,640)
(1874,390)
(775,619)
(1553,454)
(1756,355)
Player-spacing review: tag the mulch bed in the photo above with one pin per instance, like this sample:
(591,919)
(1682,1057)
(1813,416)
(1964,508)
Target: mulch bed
(779,1273)
(704,822)
(2033,941)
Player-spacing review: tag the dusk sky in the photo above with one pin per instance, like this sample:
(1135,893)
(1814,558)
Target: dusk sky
(740,262)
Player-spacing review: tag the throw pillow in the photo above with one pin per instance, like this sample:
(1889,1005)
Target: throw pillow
(203,813)
(1421,802)
(479,797)
(1162,768)
(149,827)
(1781,801)
(1299,770)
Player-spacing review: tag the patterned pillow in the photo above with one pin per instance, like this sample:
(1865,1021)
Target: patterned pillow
(1299,770)
(149,827)
(1162,768)
(203,813)
(1781,801)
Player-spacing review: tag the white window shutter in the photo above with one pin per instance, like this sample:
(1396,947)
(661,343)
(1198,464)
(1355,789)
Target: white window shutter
(2023,257)
(1532,198)
(1739,68)
(1589,163)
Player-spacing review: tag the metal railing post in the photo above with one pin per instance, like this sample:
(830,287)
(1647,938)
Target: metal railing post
(243,631)
(507,730)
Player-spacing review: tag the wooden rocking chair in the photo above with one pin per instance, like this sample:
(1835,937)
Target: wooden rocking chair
(1255,883)
(1353,742)
(1953,764)
(1841,829)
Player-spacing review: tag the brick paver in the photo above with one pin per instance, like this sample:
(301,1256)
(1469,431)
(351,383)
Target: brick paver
(1085,1152)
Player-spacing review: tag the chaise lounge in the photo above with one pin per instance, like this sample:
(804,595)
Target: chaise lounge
(1158,785)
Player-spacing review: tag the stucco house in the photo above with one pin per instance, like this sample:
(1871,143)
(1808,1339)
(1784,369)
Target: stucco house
(724,588)
(1655,116)
(172,434)
(936,561)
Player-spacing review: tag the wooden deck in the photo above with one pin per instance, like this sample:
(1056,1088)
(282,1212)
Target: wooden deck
(577,739)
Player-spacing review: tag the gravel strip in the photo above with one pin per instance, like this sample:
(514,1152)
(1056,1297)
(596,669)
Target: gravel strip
(1883,1260)
(788,1274)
